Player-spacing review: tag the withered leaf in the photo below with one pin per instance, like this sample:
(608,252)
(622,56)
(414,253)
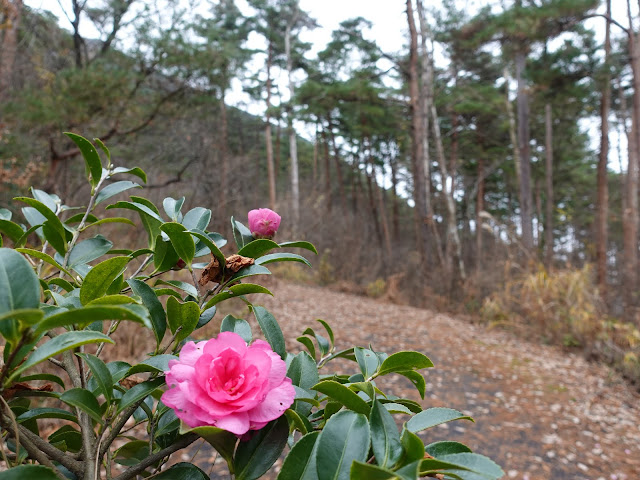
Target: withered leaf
(211,273)
(236,262)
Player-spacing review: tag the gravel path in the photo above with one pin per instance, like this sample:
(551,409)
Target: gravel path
(540,413)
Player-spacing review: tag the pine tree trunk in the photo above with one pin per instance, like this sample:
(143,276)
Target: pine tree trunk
(602,209)
(370,172)
(224,158)
(327,170)
(293,146)
(512,128)
(267,133)
(338,163)
(9,47)
(479,210)
(417,141)
(525,152)
(394,199)
(314,177)
(548,217)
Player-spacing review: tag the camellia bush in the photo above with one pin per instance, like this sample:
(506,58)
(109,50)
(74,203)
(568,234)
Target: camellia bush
(65,290)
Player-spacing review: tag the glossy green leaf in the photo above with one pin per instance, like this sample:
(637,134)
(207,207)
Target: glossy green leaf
(323,343)
(89,250)
(37,413)
(241,234)
(237,325)
(181,240)
(306,341)
(138,392)
(11,230)
(172,208)
(338,392)
(271,330)
(417,379)
(367,361)
(118,370)
(165,256)
(280,257)
(182,315)
(184,286)
(222,441)
(412,446)
(182,471)
(385,439)
(472,462)
(100,277)
(91,157)
(434,416)
(48,377)
(113,299)
(137,171)
(84,400)
(114,189)
(61,343)
(213,248)
(157,363)
(45,258)
(101,373)
(249,271)
(345,438)
(299,464)
(19,289)
(402,361)
(92,313)
(51,219)
(29,472)
(305,245)
(439,449)
(156,310)
(303,371)
(257,248)
(197,218)
(236,291)
(361,470)
(149,217)
(111,220)
(256,456)
(69,435)
(206,316)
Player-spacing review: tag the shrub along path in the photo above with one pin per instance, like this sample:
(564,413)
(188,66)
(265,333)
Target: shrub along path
(540,413)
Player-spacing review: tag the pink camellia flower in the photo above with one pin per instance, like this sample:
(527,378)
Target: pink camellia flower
(224,383)
(263,223)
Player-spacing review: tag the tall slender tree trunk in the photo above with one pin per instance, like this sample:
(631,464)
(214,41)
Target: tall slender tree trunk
(383,215)
(293,146)
(512,127)
(338,163)
(417,139)
(77,38)
(479,210)
(526,223)
(327,169)
(224,157)
(602,209)
(267,133)
(630,216)
(9,48)
(394,198)
(548,216)
(370,171)
(316,142)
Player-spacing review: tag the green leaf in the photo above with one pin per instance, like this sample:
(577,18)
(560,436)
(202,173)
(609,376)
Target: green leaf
(323,343)
(417,379)
(343,395)
(206,316)
(182,315)
(280,257)
(101,373)
(303,371)
(91,157)
(37,413)
(249,271)
(213,248)
(172,208)
(113,299)
(149,217)
(236,291)
(299,464)
(11,230)
(181,241)
(385,439)
(137,171)
(42,376)
(118,370)
(184,286)
(222,441)
(298,422)
(111,220)
(89,250)
(434,416)
(254,457)
(237,325)
(138,392)
(306,341)
(367,361)
(241,234)
(100,277)
(402,361)
(439,449)
(197,218)
(182,471)
(271,330)
(328,329)
(19,289)
(69,435)
(157,363)
(45,258)
(165,256)
(5,214)
(114,189)
(305,245)
(84,400)
(345,438)
(61,343)
(47,213)
(472,462)
(257,248)
(156,310)
(360,470)
(412,446)
(29,472)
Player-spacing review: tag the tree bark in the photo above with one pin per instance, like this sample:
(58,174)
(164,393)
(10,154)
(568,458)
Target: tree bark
(394,198)
(602,209)
(417,139)
(338,164)
(525,151)
(267,133)
(548,216)
(9,47)
(479,210)
(293,147)
(224,158)
(327,170)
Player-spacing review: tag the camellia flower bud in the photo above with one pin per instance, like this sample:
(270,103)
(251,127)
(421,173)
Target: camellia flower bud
(263,223)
